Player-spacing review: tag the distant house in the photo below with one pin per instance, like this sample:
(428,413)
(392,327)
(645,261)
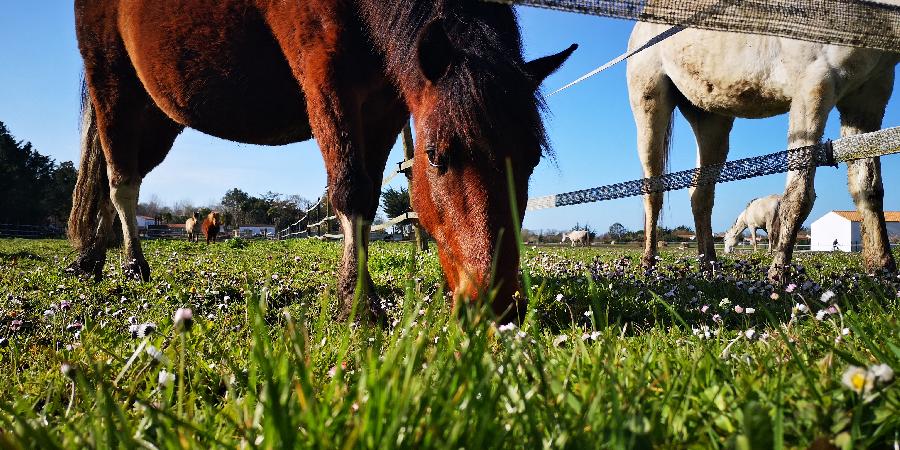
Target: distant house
(840,230)
(144,222)
(684,235)
(256,230)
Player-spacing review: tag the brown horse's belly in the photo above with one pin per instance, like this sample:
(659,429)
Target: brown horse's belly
(227,78)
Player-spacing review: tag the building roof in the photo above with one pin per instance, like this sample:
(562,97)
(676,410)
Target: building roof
(256,226)
(855,216)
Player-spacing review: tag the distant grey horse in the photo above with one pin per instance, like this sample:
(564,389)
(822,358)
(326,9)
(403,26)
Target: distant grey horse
(761,213)
(713,77)
(580,236)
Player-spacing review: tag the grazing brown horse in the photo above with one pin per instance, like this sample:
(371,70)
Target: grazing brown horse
(212,224)
(190,227)
(350,73)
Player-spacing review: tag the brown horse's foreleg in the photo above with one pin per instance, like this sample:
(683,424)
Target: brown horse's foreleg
(124,196)
(711,131)
(136,137)
(351,197)
(863,113)
(385,117)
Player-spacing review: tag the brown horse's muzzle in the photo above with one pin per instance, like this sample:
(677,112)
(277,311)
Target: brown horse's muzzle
(469,215)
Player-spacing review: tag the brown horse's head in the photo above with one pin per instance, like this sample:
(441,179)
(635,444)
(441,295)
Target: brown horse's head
(476,108)
(214,218)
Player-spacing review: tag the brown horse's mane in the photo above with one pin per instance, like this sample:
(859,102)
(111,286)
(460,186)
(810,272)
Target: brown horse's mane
(487,90)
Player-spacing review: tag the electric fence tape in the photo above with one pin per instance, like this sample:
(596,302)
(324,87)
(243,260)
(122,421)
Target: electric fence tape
(829,153)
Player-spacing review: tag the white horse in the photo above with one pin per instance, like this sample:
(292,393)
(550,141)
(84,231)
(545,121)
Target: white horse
(713,77)
(192,227)
(761,213)
(580,236)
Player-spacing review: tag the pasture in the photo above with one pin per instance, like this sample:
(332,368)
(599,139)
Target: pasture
(609,356)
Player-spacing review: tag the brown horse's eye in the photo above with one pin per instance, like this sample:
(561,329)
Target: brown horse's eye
(434,159)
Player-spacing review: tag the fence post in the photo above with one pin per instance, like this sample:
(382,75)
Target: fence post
(327,223)
(419,234)
(319,215)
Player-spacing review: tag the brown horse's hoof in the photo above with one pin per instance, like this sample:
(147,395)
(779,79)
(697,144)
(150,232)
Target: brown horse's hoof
(778,275)
(370,310)
(87,265)
(137,270)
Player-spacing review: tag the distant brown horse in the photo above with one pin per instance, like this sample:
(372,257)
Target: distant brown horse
(348,72)
(211,226)
(190,227)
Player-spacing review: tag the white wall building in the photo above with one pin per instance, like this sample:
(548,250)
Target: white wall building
(256,230)
(144,221)
(844,227)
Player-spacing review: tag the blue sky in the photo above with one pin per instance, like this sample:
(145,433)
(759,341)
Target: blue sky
(590,126)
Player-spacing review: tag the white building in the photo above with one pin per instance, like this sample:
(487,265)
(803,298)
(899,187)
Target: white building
(145,221)
(256,230)
(843,227)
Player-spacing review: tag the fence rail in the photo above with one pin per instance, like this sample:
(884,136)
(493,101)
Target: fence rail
(303,229)
(851,23)
(30,231)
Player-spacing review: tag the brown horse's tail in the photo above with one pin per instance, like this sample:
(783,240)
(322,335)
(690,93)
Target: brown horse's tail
(92,188)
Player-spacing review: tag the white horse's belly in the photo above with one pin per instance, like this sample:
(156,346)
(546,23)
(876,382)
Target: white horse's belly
(729,74)
(745,98)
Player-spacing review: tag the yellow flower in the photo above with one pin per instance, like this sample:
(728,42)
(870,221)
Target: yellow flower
(857,380)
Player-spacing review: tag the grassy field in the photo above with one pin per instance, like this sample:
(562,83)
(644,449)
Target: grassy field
(611,356)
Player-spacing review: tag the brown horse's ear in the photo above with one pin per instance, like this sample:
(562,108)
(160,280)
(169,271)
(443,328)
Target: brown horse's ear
(541,68)
(435,51)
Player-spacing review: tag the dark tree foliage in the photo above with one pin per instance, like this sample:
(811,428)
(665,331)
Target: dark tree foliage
(35,190)
(617,231)
(396,202)
(271,208)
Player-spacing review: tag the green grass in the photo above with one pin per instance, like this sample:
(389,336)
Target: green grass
(611,356)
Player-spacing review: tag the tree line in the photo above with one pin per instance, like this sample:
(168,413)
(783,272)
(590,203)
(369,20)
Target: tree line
(36,190)
(616,233)
(237,208)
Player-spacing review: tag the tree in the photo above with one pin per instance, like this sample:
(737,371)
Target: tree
(150,208)
(395,203)
(59,197)
(285,210)
(617,231)
(233,204)
(34,189)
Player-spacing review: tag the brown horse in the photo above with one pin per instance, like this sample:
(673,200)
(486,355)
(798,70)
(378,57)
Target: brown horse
(350,73)
(211,226)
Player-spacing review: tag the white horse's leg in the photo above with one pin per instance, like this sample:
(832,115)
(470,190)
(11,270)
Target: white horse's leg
(711,131)
(809,111)
(753,239)
(863,113)
(652,98)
